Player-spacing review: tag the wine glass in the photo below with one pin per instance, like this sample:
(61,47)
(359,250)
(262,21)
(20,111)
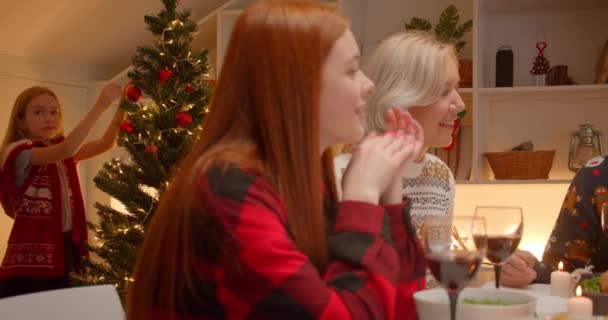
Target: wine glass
(504,227)
(454,248)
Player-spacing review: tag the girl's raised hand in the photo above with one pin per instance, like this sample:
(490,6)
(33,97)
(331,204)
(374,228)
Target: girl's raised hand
(109,93)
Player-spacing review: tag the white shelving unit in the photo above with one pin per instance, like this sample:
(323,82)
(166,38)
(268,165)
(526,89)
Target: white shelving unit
(505,117)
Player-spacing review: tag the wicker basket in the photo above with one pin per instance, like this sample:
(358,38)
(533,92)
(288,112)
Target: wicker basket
(522,165)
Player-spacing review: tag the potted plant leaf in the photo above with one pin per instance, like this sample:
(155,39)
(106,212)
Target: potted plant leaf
(448,30)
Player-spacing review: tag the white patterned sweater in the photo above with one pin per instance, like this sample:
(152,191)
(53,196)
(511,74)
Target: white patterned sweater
(429,184)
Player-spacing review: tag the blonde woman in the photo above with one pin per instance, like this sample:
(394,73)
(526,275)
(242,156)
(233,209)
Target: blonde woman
(419,74)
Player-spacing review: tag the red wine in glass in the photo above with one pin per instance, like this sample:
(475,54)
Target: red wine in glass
(501,247)
(454,272)
(454,248)
(504,227)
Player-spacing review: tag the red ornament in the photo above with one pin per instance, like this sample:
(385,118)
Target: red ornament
(189,89)
(183,119)
(126,126)
(164,76)
(152,149)
(596,172)
(133,93)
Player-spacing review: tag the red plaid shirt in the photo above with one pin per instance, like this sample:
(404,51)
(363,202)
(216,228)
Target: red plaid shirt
(376,260)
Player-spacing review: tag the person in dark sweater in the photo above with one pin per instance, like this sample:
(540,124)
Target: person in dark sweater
(250,227)
(577,238)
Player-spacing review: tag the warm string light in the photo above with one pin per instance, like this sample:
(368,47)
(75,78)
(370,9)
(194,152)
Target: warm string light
(156,137)
(163,41)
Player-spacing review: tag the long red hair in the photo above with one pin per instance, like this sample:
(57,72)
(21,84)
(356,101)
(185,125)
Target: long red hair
(264,117)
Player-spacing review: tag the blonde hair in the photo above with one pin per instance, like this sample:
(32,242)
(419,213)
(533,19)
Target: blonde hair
(409,69)
(13,133)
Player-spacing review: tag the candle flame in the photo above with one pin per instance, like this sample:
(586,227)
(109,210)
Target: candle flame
(579,291)
(560,266)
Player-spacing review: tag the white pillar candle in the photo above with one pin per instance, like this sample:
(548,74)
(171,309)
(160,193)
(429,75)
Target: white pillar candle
(579,305)
(560,282)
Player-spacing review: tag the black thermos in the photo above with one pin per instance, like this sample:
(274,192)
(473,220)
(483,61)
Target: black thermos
(504,67)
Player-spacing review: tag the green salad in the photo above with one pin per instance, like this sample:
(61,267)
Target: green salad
(591,285)
(491,302)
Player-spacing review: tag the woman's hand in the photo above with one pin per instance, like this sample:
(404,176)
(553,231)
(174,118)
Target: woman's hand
(402,123)
(373,166)
(518,270)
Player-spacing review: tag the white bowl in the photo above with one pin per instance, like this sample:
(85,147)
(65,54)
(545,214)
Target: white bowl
(433,304)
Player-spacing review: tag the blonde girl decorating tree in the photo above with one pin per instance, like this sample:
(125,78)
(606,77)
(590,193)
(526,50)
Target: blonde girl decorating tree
(40,190)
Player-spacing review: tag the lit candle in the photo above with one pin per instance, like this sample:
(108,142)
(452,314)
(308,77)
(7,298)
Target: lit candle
(579,305)
(560,282)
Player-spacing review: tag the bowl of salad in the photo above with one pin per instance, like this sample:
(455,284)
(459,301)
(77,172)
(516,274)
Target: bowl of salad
(595,286)
(475,304)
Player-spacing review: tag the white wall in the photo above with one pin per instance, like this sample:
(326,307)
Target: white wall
(72,88)
(383,18)
(541,204)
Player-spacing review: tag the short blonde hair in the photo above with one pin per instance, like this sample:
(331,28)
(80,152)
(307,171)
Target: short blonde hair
(408,69)
(19,108)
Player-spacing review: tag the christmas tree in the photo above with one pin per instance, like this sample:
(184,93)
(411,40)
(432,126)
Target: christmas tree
(158,131)
(541,64)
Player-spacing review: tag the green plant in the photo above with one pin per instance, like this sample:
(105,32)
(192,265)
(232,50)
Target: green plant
(447,29)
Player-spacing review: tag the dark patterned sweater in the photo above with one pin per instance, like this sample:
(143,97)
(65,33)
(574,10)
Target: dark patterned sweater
(577,238)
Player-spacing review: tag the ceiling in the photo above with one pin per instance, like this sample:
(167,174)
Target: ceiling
(101,34)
